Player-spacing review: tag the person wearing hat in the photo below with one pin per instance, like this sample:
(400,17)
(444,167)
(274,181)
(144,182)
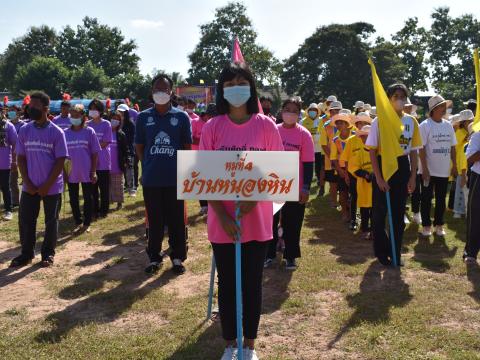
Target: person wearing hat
(128,129)
(63,120)
(400,183)
(312,123)
(354,147)
(359,107)
(471,104)
(460,123)
(359,166)
(342,123)
(473,213)
(197,127)
(327,133)
(436,156)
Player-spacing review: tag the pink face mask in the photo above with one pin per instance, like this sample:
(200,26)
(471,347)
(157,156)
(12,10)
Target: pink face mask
(289,118)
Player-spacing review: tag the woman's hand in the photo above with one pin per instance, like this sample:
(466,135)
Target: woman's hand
(229,226)
(246,207)
(382,184)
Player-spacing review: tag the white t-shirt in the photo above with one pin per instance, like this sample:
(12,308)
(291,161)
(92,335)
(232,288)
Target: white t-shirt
(407,140)
(438,139)
(472,148)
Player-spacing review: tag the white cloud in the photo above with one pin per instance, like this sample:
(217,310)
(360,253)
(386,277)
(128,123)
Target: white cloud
(146,24)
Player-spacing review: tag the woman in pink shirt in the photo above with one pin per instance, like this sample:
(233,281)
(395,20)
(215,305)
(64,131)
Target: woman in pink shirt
(239,126)
(295,138)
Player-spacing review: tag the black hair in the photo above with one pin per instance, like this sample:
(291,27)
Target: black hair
(40,95)
(164,77)
(230,72)
(191,101)
(174,99)
(65,103)
(97,104)
(294,101)
(394,87)
(266,98)
(472,106)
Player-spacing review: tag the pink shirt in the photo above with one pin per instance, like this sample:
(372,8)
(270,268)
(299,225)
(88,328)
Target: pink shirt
(298,139)
(197,126)
(257,134)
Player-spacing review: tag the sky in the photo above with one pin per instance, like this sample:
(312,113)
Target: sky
(167,31)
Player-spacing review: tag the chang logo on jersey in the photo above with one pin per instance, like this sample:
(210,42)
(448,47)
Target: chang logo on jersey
(150,121)
(174,121)
(162,145)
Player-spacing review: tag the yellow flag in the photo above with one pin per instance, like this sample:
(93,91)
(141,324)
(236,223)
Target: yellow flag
(390,127)
(476,122)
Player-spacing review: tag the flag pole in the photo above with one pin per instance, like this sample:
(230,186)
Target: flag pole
(210,291)
(390,225)
(238,284)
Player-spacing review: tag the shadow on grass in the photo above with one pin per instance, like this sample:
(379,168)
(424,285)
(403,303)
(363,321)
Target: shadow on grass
(114,238)
(329,229)
(275,288)
(473,275)
(102,306)
(381,289)
(433,255)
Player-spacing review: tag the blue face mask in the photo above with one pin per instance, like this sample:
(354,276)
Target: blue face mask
(12,115)
(76,121)
(312,114)
(237,95)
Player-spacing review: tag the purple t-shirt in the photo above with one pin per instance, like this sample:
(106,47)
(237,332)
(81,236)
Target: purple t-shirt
(114,153)
(42,147)
(81,144)
(62,122)
(103,130)
(6,151)
(133,115)
(18,124)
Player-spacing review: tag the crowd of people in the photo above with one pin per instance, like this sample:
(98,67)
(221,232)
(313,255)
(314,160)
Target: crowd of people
(99,151)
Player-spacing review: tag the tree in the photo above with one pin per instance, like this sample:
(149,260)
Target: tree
(87,78)
(331,61)
(42,73)
(38,41)
(103,45)
(411,44)
(214,49)
(451,45)
(133,85)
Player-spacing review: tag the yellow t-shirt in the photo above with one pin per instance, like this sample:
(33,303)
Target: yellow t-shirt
(313,126)
(336,148)
(351,152)
(361,161)
(327,133)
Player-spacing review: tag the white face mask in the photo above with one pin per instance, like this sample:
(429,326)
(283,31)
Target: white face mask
(94,114)
(115,122)
(180,107)
(161,98)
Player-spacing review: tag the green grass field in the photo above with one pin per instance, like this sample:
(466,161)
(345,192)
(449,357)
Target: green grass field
(97,303)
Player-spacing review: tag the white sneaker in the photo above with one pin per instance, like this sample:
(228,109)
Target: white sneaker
(132,193)
(417,218)
(427,231)
(470,260)
(406,220)
(230,353)
(440,231)
(8,216)
(249,354)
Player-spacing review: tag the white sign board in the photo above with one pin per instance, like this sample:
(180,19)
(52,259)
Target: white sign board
(238,175)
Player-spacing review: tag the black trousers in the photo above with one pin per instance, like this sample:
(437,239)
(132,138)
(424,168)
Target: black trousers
(101,193)
(416,195)
(203,203)
(352,189)
(73,191)
(292,221)
(451,195)
(398,198)
(439,185)
(253,256)
(5,188)
(27,223)
(318,165)
(135,170)
(473,216)
(163,208)
(366,219)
